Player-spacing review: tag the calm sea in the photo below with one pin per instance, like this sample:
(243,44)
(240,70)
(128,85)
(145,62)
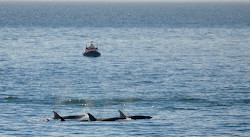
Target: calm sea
(185,64)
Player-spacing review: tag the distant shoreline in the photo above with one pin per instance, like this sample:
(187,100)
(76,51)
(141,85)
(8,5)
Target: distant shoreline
(127,1)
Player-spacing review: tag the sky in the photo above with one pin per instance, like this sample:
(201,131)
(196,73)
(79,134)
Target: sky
(143,0)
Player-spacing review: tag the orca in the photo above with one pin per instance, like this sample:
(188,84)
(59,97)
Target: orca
(92,118)
(57,116)
(122,115)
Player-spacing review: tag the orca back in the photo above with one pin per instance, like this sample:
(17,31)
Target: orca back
(139,117)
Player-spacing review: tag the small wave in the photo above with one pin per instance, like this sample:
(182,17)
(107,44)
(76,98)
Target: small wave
(9,97)
(2,60)
(246,101)
(211,103)
(74,101)
(143,82)
(101,102)
(205,102)
(23,100)
(192,100)
(38,120)
(180,108)
(221,104)
(244,130)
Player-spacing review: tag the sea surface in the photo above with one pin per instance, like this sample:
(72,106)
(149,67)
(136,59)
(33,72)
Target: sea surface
(185,64)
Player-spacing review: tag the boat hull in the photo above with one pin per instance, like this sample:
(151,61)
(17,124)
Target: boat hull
(92,54)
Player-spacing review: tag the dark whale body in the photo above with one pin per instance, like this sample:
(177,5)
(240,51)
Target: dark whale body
(134,117)
(92,118)
(57,116)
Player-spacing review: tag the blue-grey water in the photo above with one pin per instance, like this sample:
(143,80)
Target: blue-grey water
(185,64)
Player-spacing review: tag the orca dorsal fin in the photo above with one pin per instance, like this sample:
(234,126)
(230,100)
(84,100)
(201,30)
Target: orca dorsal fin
(122,114)
(91,117)
(56,116)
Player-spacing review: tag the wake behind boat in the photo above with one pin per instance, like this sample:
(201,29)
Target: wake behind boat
(91,50)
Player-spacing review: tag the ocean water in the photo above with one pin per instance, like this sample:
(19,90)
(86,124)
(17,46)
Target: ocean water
(186,65)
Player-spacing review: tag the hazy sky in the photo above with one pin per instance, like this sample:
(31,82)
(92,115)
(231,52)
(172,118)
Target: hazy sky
(142,0)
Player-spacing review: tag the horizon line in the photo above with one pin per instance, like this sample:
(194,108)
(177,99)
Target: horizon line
(134,1)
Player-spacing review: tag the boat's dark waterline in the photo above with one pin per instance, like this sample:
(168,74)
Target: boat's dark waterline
(92,54)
